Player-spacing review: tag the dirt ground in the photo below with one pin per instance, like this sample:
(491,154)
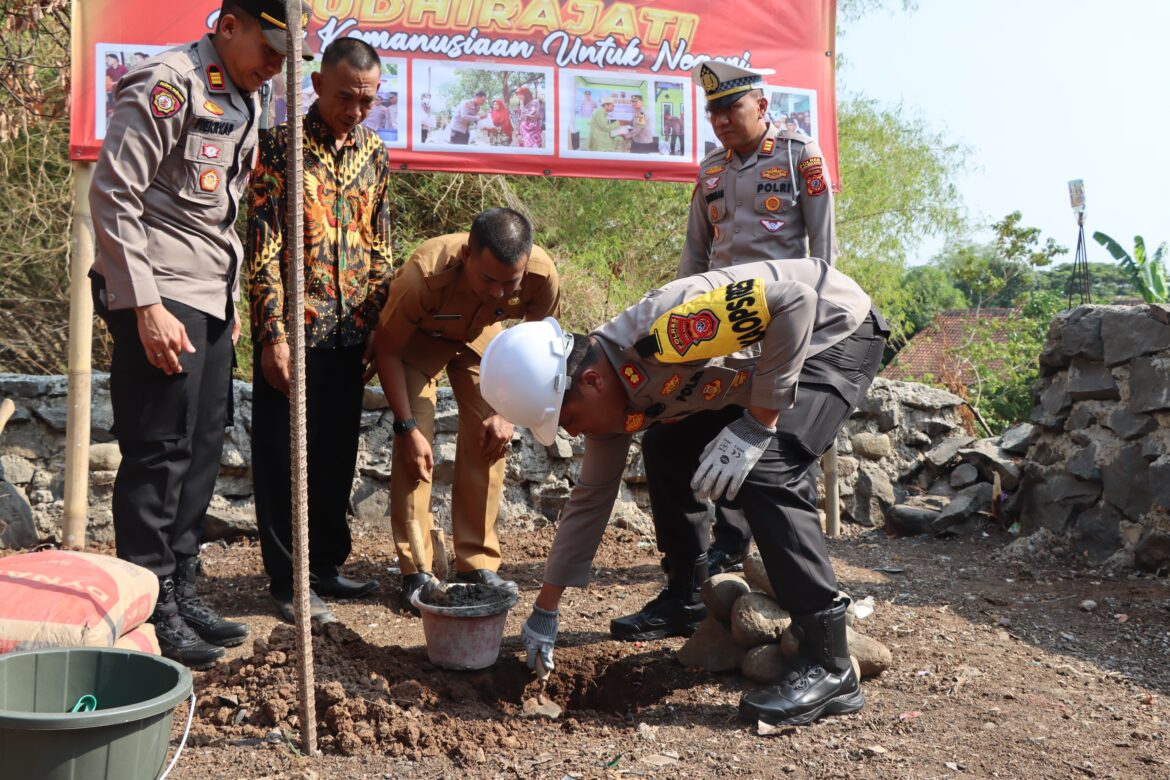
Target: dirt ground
(998,672)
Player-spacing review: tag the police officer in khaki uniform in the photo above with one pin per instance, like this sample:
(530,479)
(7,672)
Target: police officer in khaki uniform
(165,195)
(765,194)
(756,367)
(446,304)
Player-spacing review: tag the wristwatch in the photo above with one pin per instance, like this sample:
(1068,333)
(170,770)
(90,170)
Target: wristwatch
(405,426)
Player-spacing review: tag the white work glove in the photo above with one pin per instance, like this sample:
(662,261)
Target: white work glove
(730,457)
(539,634)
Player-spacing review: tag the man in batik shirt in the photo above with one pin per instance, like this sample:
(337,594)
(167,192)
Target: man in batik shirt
(347,271)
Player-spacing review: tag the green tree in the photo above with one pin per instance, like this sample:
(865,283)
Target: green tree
(1146,271)
(929,291)
(1109,282)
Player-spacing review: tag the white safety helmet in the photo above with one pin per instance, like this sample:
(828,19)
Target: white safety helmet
(522,376)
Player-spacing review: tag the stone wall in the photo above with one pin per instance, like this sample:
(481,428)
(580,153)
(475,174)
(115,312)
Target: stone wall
(1097,473)
(883,449)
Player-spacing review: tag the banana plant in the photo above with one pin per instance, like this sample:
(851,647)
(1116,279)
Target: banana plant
(1146,271)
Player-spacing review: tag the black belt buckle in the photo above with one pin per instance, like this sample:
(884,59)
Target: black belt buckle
(880,326)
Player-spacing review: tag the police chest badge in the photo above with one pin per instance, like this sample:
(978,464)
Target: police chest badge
(711,183)
(672,384)
(212,107)
(711,390)
(772,225)
(166,100)
(715,169)
(635,422)
(210,151)
(209,181)
(773,203)
(718,323)
(741,376)
(774,173)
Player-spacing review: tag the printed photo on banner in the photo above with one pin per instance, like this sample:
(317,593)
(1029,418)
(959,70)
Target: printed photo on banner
(793,109)
(386,117)
(114,61)
(494,108)
(619,117)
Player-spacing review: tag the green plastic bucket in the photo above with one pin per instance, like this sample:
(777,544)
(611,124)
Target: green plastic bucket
(125,738)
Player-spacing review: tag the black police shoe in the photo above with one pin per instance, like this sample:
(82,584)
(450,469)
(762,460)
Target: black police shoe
(820,681)
(333,585)
(206,621)
(319,611)
(668,614)
(720,561)
(177,640)
(488,577)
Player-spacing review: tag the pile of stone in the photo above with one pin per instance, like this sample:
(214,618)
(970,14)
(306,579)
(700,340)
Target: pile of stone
(961,484)
(746,630)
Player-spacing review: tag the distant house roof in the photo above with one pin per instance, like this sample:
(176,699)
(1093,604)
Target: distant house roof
(931,354)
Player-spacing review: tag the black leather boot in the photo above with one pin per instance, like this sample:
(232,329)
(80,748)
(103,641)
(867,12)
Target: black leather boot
(176,639)
(820,680)
(676,611)
(205,620)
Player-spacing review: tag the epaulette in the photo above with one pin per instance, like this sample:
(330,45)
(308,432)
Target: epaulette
(790,135)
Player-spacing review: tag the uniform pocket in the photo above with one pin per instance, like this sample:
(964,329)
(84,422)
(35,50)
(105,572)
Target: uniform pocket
(207,158)
(815,419)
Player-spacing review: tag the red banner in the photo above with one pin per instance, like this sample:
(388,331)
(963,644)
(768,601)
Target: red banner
(544,68)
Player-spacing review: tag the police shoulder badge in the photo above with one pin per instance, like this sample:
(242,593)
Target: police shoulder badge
(635,421)
(209,180)
(215,78)
(718,323)
(814,177)
(632,374)
(166,100)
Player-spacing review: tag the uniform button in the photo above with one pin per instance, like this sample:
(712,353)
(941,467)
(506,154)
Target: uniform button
(737,230)
(112,297)
(739,203)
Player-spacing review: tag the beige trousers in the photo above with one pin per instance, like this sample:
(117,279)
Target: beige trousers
(477,484)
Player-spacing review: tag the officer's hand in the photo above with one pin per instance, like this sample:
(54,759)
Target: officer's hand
(730,457)
(494,436)
(163,338)
(276,366)
(419,458)
(235,331)
(368,365)
(539,635)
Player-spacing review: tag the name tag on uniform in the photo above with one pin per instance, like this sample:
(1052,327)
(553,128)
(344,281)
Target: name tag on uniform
(204,125)
(446,316)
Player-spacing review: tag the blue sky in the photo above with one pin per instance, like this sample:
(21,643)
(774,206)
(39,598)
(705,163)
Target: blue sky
(1042,91)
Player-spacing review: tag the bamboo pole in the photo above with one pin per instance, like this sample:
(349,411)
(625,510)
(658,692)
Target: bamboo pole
(832,493)
(77,420)
(295,287)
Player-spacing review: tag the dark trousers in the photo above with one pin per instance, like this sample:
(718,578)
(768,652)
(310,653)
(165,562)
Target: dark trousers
(333,401)
(170,431)
(460,138)
(779,497)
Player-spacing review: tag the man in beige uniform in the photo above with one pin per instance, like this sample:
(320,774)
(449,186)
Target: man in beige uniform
(764,194)
(756,367)
(165,197)
(446,304)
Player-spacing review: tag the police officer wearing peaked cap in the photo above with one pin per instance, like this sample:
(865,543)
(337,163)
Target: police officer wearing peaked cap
(755,367)
(764,194)
(165,196)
